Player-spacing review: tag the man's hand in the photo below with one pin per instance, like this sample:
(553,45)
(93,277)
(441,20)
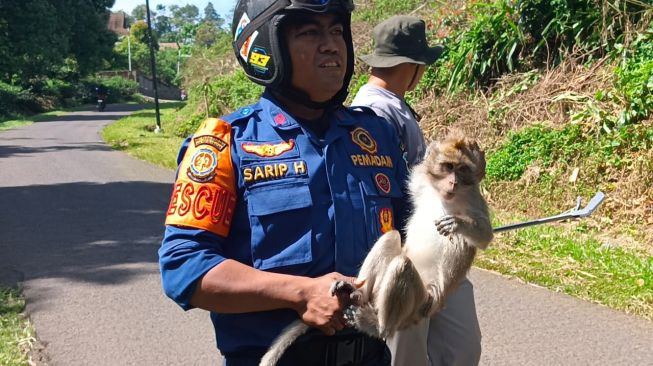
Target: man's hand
(320,308)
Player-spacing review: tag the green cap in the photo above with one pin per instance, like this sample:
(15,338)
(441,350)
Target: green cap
(401,39)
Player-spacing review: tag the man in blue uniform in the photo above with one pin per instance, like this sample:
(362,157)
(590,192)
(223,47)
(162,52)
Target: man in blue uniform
(277,200)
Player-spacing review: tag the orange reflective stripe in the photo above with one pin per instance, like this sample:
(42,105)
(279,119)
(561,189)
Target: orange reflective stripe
(204,195)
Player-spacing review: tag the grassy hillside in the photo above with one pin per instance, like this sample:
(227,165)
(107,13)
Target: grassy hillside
(560,94)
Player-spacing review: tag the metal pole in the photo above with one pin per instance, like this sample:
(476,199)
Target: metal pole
(153,65)
(574,213)
(129,50)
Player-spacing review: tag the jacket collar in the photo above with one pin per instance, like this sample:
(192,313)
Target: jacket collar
(281,119)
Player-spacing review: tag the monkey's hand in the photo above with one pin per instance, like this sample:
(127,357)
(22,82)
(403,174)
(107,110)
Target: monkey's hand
(347,290)
(448,224)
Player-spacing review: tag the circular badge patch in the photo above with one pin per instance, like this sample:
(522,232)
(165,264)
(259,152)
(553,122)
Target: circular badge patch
(202,165)
(362,138)
(383,182)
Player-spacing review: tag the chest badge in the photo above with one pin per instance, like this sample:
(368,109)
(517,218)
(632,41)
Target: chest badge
(385,218)
(383,182)
(362,138)
(268,150)
(202,165)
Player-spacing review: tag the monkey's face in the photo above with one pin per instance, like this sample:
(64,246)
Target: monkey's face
(455,166)
(452,178)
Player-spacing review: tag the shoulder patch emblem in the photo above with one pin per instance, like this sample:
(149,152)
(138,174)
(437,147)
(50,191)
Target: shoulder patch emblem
(383,182)
(202,165)
(204,195)
(385,218)
(210,140)
(362,138)
(268,150)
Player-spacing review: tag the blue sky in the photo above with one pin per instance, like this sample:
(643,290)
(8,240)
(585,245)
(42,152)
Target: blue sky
(223,7)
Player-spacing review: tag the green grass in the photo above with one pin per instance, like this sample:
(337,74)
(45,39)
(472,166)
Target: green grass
(21,121)
(134,135)
(16,335)
(573,262)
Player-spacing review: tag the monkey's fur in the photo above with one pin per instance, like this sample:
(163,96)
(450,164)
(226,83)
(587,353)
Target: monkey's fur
(402,286)
(445,189)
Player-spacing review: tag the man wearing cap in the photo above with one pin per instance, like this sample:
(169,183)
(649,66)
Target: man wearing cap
(399,59)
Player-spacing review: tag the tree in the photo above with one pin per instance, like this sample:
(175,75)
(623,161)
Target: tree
(39,37)
(139,33)
(90,41)
(210,15)
(187,14)
(140,12)
(30,33)
(207,34)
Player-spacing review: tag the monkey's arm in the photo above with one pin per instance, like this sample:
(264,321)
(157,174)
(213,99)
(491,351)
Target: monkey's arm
(476,228)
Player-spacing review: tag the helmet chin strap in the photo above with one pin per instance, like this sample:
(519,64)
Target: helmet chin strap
(302,98)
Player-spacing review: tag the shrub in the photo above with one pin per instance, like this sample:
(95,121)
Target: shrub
(535,143)
(635,79)
(556,26)
(375,11)
(480,52)
(120,89)
(549,147)
(216,97)
(14,99)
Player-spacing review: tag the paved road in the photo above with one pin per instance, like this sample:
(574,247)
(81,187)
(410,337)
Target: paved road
(81,225)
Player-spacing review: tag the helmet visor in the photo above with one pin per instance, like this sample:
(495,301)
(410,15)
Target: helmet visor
(320,5)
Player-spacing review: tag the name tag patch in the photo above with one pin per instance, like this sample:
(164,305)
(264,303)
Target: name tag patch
(383,161)
(273,171)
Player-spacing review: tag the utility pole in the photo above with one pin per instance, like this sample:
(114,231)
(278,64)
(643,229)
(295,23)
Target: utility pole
(129,50)
(153,65)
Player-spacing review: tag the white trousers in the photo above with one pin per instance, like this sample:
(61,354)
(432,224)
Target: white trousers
(451,337)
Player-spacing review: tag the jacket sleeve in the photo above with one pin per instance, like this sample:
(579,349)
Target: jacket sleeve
(201,207)
(401,206)
(184,257)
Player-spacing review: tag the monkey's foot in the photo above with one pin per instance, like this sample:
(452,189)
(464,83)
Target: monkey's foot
(347,289)
(434,302)
(447,224)
(363,318)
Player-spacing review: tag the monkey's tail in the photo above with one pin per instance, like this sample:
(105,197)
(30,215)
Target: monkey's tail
(281,344)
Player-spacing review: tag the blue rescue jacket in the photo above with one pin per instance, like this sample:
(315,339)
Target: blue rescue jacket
(296,204)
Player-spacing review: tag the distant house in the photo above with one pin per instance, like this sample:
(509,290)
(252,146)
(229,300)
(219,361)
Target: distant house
(117,23)
(164,45)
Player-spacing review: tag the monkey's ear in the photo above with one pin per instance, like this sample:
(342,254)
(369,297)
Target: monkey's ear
(431,148)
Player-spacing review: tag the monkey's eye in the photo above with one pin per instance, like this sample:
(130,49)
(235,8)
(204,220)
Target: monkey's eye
(447,166)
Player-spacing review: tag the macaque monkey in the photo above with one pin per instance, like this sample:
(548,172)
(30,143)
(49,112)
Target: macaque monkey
(444,190)
(449,222)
